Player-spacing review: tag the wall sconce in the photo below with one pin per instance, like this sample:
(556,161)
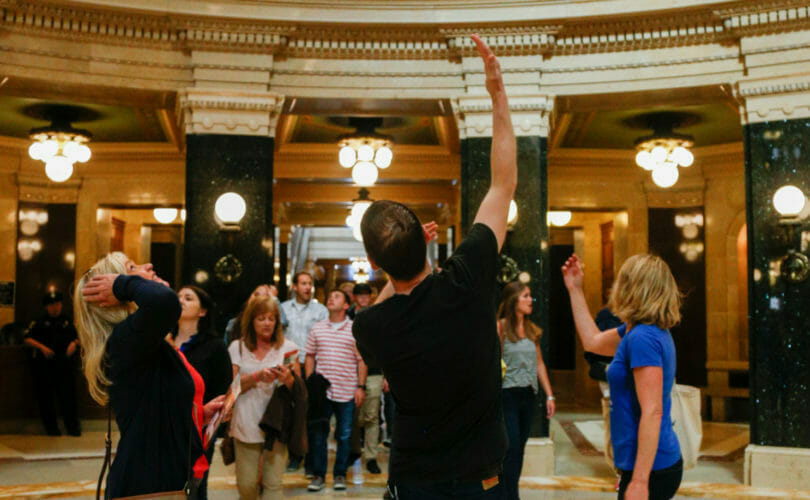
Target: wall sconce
(229,210)
(791,202)
(165,215)
(558,217)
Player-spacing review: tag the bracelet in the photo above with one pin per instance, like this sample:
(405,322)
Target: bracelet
(550,398)
(256,377)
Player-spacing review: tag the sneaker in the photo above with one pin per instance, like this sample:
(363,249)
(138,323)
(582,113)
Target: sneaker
(340,483)
(316,484)
(293,464)
(372,466)
(309,475)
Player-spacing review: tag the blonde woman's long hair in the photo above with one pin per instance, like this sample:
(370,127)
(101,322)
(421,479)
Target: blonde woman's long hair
(95,324)
(507,312)
(645,292)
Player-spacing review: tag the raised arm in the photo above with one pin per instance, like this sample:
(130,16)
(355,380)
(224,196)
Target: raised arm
(503,156)
(604,343)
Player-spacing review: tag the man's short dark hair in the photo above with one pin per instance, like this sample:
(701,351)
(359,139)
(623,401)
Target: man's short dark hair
(298,275)
(343,292)
(394,239)
(362,288)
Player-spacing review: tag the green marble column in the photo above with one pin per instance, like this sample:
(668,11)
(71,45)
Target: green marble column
(527,243)
(777,153)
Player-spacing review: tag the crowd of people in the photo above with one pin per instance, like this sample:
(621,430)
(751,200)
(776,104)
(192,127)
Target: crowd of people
(432,348)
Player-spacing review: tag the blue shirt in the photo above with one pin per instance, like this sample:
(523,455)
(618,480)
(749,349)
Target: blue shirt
(644,345)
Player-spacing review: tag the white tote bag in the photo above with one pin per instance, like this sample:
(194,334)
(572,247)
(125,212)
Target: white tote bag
(687,422)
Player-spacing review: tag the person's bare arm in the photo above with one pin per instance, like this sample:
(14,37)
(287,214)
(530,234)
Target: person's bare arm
(46,351)
(545,383)
(309,365)
(649,390)
(503,156)
(604,343)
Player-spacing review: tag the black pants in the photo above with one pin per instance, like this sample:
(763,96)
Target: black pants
(663,484)
(518,408)
(56,379)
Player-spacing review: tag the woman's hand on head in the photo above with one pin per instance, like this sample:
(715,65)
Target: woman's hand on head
(573,273)
(99,290)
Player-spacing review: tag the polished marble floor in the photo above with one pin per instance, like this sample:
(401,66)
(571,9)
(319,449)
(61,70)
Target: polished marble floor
(35,466)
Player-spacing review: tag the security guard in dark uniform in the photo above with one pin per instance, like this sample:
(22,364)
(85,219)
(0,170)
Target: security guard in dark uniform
(56,348)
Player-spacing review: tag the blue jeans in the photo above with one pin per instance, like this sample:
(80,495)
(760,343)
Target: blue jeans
(451,489)
(319,433)
(518,409)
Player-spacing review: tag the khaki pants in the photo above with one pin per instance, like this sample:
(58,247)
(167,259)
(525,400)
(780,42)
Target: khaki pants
(368,417)
(247,470)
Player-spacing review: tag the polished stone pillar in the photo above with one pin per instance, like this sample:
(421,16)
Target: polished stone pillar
(777,153)
(229,148)
(526,245)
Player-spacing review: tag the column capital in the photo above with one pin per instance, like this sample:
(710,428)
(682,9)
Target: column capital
(530,115)
(774,99)
(208,111)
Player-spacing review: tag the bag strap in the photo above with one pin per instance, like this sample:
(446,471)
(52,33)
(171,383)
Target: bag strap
(107,452)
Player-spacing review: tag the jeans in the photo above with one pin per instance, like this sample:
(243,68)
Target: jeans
(319,432)
(663,483)
(451,489)
(518,408)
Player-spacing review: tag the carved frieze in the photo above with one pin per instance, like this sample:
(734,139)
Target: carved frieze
(226,112)
(530,115)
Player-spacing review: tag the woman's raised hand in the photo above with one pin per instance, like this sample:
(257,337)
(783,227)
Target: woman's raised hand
(492,67)
(99,290)
(573,275)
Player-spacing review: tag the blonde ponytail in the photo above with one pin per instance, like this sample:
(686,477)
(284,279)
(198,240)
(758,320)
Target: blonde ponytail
(95,323)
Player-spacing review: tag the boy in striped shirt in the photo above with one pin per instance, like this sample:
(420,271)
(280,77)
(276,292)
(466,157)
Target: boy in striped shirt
(331,352)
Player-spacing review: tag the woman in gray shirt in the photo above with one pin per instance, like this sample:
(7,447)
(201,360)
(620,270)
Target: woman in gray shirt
(524,366)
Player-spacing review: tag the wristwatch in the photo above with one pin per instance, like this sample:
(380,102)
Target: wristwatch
(361,386)
(550,398)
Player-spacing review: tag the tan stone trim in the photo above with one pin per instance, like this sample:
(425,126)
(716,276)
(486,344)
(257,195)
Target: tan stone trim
(646,30)
(229,112)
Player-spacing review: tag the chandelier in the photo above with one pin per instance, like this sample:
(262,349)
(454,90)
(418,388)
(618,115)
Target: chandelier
(59,146)
(359,207)
(664,151)
(365,151)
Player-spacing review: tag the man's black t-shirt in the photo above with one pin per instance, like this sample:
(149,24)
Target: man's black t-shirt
(439,350)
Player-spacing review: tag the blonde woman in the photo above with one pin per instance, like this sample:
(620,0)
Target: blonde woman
(524,367)
(258,359)
(123,313)
(646,298)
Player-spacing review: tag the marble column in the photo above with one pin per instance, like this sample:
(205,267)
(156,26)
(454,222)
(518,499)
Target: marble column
(525,252)
(229,148)
(777,153)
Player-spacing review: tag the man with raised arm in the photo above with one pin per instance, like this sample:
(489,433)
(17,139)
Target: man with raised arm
(434,334)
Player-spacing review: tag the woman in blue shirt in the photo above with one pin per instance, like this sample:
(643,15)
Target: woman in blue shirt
(646,298)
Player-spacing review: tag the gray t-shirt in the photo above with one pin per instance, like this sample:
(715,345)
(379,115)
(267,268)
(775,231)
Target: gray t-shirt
(521,364)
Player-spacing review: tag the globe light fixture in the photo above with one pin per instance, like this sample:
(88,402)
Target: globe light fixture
(59,146)
(165,215)
(230,208)
(665,175)
(558,217)
(365,151)
(789,201)
(359,207)
(512,215)
(664,148)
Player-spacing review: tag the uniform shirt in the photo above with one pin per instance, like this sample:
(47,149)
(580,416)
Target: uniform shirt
(300,318)
(439,349)
(56,333)
(644,345)
(336,357)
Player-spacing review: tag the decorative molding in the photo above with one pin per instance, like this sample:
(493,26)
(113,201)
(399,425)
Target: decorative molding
(646,29)
(530,115)
(39,189)
(776,99)
(237,113)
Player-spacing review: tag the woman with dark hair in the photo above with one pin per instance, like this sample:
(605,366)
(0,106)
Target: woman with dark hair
(524,366)
(262,358)
(197,339)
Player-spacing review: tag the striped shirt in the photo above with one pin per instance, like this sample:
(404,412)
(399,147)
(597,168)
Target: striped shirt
(336,357)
